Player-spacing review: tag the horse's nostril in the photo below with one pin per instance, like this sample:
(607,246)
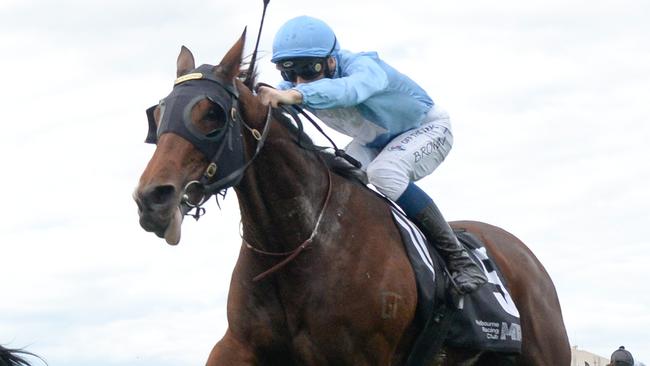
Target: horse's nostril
(161,195)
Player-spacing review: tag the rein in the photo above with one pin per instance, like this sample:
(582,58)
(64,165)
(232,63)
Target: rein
(338,152)
(294,110)
(290,255)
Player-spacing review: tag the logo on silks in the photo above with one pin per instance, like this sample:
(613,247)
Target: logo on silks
(396,148)
(223,145)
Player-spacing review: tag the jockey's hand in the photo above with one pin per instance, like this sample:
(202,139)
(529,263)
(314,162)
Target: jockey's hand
(274,97)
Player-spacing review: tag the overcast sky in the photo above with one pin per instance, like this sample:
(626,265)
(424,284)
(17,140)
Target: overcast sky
(550,109)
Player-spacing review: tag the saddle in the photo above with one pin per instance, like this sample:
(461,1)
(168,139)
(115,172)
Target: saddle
(485,320)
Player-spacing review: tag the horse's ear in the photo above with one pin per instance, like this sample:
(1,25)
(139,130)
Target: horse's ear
(185,62)
(231,63)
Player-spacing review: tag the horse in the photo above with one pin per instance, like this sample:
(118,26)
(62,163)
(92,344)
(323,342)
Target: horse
(320,251)
(13,357)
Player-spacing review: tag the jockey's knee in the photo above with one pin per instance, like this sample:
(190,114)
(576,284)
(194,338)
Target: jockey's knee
(388,178)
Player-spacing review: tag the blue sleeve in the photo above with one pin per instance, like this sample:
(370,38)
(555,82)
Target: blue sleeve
(364,78)
(285,85)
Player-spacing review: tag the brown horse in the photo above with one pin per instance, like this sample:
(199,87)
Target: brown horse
(338,251)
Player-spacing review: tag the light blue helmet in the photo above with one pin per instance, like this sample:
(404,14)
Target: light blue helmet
(303,36)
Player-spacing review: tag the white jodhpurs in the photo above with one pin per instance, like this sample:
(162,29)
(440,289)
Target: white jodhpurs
(408,157)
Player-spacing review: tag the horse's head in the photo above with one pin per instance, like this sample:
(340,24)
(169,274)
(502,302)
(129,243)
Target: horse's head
(197,129)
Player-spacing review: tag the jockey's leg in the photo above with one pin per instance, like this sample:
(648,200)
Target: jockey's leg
(467,275)
(408,158)
(364,154)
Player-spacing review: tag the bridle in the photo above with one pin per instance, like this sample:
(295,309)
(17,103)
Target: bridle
(188,91)
(175,117)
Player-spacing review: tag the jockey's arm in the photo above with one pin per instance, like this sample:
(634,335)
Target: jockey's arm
(363,78)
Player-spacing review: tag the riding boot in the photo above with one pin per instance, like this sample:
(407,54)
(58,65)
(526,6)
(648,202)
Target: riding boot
(465,273)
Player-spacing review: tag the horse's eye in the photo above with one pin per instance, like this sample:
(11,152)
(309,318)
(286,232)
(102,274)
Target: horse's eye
(213,121)
(214,114)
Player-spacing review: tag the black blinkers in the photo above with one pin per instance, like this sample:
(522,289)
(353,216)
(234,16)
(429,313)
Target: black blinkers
(222,146)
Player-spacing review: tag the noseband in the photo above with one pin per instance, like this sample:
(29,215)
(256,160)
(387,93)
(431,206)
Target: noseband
(222,147)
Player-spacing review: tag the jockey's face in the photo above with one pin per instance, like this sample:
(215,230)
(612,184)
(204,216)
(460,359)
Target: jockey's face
(305,70)
(331,64)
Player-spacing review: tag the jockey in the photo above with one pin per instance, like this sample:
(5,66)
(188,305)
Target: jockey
(399,134)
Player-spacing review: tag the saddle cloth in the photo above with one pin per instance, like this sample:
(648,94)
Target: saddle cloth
(487,319)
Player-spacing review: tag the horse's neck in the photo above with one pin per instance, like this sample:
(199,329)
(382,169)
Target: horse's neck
(282,194)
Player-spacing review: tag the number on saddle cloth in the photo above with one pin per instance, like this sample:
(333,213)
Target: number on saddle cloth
(488,318)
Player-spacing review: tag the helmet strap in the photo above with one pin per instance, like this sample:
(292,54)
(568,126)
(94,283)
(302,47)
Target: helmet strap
(329,73)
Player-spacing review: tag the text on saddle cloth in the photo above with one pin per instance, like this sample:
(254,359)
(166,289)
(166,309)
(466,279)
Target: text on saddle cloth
(488,319)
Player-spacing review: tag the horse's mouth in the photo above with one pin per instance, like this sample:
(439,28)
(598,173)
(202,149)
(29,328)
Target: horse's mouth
(171,231)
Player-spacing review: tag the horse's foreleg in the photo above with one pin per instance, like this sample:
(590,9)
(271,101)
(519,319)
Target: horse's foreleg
(230,351)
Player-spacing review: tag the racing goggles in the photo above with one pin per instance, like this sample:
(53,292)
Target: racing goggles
(308,68)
